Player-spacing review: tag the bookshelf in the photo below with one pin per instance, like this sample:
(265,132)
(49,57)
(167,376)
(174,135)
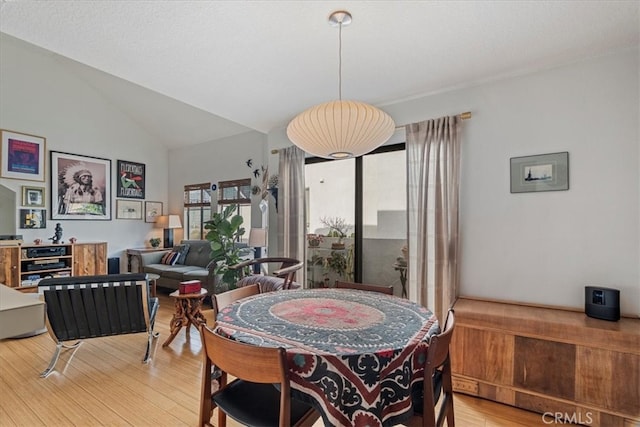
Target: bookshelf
(24,266)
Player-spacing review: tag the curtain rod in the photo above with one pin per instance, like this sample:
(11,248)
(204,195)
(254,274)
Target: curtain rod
(464,116)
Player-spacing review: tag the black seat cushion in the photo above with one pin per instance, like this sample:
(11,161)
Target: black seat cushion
(254,404)
(417,396)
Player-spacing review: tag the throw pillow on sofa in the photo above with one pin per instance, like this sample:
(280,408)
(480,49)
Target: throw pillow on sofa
(170,258)
(182,251)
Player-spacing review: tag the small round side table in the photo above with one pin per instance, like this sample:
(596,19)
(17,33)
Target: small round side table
(152,280)
(187,313)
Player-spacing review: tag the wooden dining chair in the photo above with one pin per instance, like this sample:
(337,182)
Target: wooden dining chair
(252,398)
(223,299)
(365,287)
(436,384)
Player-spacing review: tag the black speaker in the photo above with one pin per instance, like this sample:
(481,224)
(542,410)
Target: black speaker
(602,303)
(113,265)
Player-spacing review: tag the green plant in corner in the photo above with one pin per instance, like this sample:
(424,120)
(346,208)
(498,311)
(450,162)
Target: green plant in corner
(225,229)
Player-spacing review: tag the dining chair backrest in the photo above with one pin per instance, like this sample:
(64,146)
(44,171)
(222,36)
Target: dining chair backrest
(223,299)
(251,398)
(437,378)
(364,287)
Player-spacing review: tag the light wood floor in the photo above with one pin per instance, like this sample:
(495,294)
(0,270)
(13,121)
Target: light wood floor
(103,382)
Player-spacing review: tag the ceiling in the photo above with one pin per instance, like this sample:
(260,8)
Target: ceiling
(196,71)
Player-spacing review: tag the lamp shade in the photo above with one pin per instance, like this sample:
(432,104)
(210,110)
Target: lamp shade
(258,237)
(169,221)
(340,129)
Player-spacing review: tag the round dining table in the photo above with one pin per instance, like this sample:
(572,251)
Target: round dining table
(354,355)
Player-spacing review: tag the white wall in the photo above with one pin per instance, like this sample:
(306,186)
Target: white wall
(220,160)
(40,96)
(545,247)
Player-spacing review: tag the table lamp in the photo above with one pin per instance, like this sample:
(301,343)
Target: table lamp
(257,241)
(169,223)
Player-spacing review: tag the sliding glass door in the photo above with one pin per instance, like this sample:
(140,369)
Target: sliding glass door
(384,218)
(368,195)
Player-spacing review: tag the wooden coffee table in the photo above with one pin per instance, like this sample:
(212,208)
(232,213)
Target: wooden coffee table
(188,312)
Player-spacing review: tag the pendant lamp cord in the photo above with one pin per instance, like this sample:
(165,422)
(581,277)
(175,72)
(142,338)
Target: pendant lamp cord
(340,62)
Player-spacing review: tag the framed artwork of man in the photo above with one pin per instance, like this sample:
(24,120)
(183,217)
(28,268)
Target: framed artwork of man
(80,187)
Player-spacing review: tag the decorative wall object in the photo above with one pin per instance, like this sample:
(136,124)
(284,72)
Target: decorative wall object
(130,182)
(80,187)
(33,196)
(22,156)
(33,218)
(128,209)
(544,172)
(152,210)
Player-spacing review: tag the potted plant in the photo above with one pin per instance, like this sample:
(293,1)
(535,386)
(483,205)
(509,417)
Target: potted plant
(225,229)
(337,263)
(155,242)
(314,240)
(338,227)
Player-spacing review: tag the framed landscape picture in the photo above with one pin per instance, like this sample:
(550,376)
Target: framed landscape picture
(152,210)
(33,196)
(22,156)
(543,172)
(128,209)
(130,183)
(80,187)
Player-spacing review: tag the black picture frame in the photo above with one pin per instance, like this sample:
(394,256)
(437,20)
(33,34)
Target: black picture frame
(33,218)
(130,180)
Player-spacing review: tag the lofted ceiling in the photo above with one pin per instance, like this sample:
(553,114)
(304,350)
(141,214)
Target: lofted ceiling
(196,71)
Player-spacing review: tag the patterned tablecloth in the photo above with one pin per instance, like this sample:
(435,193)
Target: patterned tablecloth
(354,355)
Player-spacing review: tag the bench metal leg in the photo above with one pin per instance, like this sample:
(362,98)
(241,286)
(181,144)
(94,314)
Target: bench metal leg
(56,355)
(147,353)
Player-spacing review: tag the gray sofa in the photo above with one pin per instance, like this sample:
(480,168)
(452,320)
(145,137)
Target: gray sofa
(197,265)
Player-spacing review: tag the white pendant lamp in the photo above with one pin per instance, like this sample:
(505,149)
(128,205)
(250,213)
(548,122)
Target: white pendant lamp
(340,129)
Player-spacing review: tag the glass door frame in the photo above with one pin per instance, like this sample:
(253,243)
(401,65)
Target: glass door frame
(359,201)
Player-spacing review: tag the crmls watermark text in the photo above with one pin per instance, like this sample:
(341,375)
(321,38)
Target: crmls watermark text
(566,418)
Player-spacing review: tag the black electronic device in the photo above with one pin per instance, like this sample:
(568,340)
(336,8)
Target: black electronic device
(602,303)
(46,266)
(46,251)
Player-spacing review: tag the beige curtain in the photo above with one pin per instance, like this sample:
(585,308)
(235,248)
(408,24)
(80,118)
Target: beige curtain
(433,180)
(291,234)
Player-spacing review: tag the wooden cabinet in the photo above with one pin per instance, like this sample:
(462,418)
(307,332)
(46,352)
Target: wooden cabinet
(548,361)
(22,266)
(89,259)
(9,265)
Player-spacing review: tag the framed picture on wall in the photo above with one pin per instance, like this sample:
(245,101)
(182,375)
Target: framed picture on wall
(22,156)
(33,218)
(80,187)
(130,183)
(543,172)
(152,210)
(128,209)
(32,196)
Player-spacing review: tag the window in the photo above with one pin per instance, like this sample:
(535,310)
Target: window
(197,210)
(237,192)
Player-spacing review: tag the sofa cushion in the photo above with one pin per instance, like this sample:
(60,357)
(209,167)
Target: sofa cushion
(182,250)
(199,253)
(170,258)
(267,283)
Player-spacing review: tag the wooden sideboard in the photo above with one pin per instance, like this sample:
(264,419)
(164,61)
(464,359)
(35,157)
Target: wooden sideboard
(548,361)
(79,259)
